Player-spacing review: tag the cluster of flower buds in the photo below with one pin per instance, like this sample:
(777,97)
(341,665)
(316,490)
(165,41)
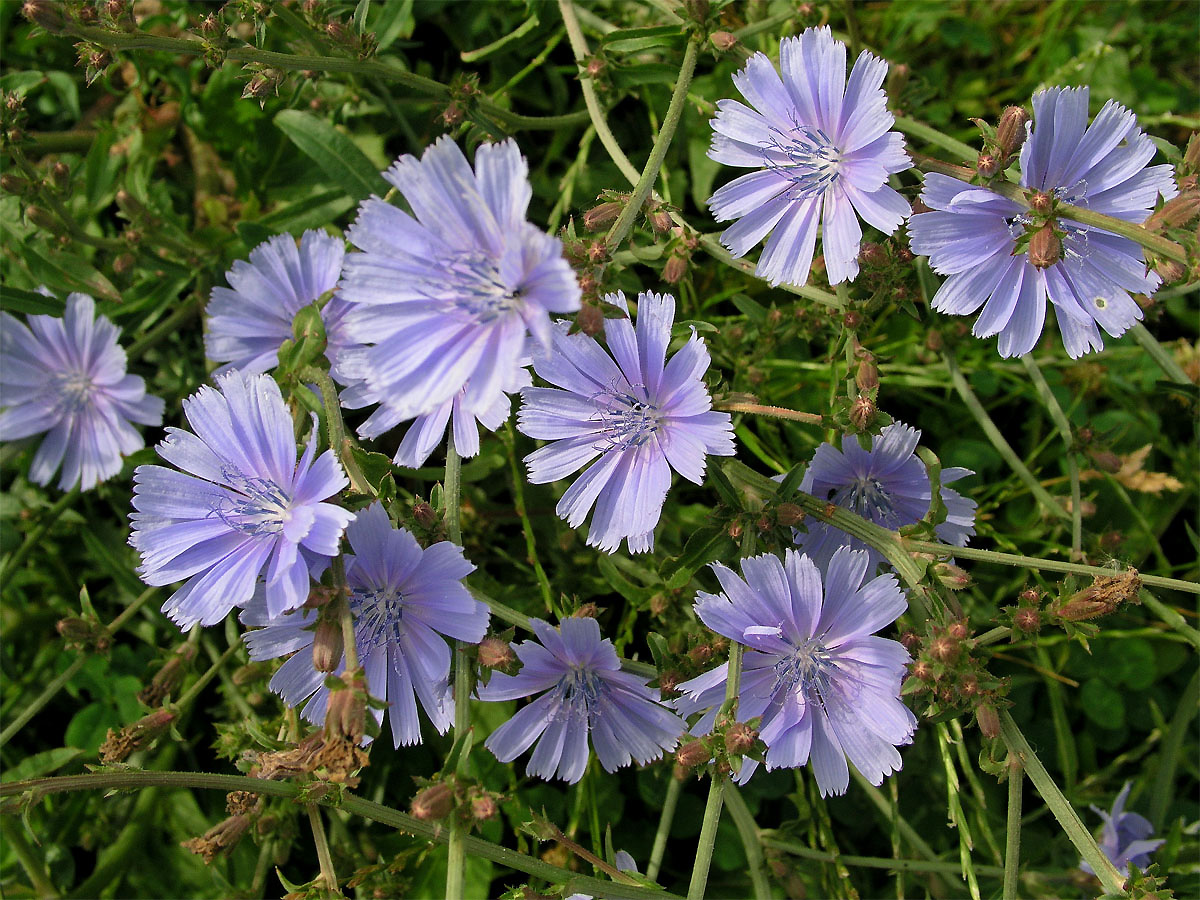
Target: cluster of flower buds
(724,747)
(264,82)
(947,675)
(440,797)
(84,633)
(464,92)
(1002,142)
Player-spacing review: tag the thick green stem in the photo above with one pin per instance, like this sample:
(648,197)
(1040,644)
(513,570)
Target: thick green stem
(665,818)
(1046,565)
(1059,418)
(998,440)
(202,682)
(748,831)
(328,873)
(1012,836)
(346,801)
(1060,806)
(456,863)
(34,538)
(14,836)
(658,152)
(1170,617)
(931,135)
(711,244)
(1159,354)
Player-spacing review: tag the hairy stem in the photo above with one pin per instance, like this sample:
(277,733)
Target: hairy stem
(749,833)
(777,412)
(328,874)
(456,863)
(666,817)
(1012,834)
(931,135)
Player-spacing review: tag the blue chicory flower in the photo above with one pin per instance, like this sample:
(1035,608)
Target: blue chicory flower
(241,504)
(403,599)
(972,235)
(443,304)
(827,688)
(250,319)
(585,693)
(66,377)
(886,484)
(1124,836)
(824,152)
(637,418)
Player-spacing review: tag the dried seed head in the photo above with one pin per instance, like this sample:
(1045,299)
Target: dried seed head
(1010,132)
(495,653)
(345,714)
(1104,460)
(988,720)
(586,611)
(484,806)
(425,515)
(789,514)
(1041,202)
(166,681)
(328,644)
(922,671)
(590,319)
(740,738)
(1045,247)
(911,641)
(693,753)
(44,13)
(862,411)
(944,649)
(218,840)
(1103,597)
(872,254)
(723,41)
(241,803)
(958,631)
(141,734)
(1176,212)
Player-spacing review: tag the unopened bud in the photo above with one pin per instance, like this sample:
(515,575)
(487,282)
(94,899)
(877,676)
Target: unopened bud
(987,165)
(590,319)
(166,681)
(852,319)
(700,654)
(495,653)
(675,268)
(484,807)
(872,254)
(597,252)
(347,708)
(114,8)
(789,514)
(724,41)
(944,649)
(1010,131)
(735,530)
(988,720)
(1103,597)
(433,802)
(898,74)
(693,753)
(958,630)
(76,630)
(862,411)
(328,644)
(660,220)
(969,686)
(43,219)
(603,214)
(124,263)
(1045,247)
(867,376)
(1041,202)
(668,681)
(922,670)
(740,738)
(210,26)
(424,514)
(594,67)
(586,611)
(1027,619)
(1176,212)
(1104,460)
(911,641)
(1169,270)
(953,577)
(14,184)
(44,13)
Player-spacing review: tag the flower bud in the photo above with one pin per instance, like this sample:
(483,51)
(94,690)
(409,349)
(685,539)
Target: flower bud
(44,13)
(867,376)
(953,577)
(1045,247)
(723,41)
(1027,620)
(425,515)
(740,738)
(987,165)
(1169,270)
(968,686)
(1176,212)
(988,720)
(586,611)
(495,653)
(344,716)
(166,681)
(14,184)
(872,254)
(590,319)
(911,641)
(922,670)
(700,654)
(483,807)
(693,753)
(328,644)
(660,220)
(958,631)
(1105,460)
(675,268)
(852,319)
(1010,131)
(668,681)
(210,26)
(124,263)
(862,411)
(789,514)
(735,530)
(1041,202)
(944,649)
(43,219)
(604,214)
(433,802)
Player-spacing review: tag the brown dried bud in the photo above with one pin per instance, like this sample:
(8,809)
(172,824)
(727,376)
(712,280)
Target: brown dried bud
(852,319)
(586,611)
(119,744)
(953,577)
(740,738)
(1010,131)
(594,66)
(922,670)
(867,376)
(735,530)
(675,268)
(484,807)
(603,214)
(1176,212)
(1030,595)
(114,8)
(347,708)
(862,411)
(789,514)
(701,653)
(210,26)
(1045,247)
(1027,619)
(452,114)
(433,802)
(1103,597)
(124,263)
(872,254)
(1191,156)
(425,515)
(1104,460)
(959,631)
(597,251)
(1041,202)
(898,74)
(668,681)
(934,341)
(590,319)
(495,653)
(988,720)
(1169,270)
(328,644)
(44,13)
(724,41)
(60,174)
(693,753)
(78,631)
(969,686)
(218,840)
(987,165)
(241,803)
(911,641)
(944,649)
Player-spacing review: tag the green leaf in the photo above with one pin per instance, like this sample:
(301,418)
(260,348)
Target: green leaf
(633,40)
(41,764)
(1102,704)
(29,302)
(333,152)
(359,20)
(705,545)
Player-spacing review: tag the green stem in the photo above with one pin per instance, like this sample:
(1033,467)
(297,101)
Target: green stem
(1012,835)
(328,873)
(716,788)
(75,141)
(1060,806)
(456,863)
(711,244)
(998,440)
(473,56)
(1168,755)
(1059,418)
(665,819)
(749,832)
(931,135)
(14,836)
(526,525)
(65,676)
(1046,565)
(658,152)
(168,326)
(295,62)
(342,596)
(347,801)
(1159,354)
(1170,617)
(202,682)
(34,538)
(580,49)
(777,412)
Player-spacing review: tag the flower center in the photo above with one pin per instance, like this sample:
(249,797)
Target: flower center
(478,288)
(74,390)
(580,686)
(625,420)
(808,668)
(868,497)
(259,506)
(378,615)
(813,162)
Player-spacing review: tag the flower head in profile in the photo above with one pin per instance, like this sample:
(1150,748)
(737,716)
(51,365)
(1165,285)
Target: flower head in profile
(250,319)
(444,301)
(634,416)
(241,506)
(885,483)
(1124,836)
(1008,258)
(405,601)
(827,688)
(823,151)
(585,693)
(66,377)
